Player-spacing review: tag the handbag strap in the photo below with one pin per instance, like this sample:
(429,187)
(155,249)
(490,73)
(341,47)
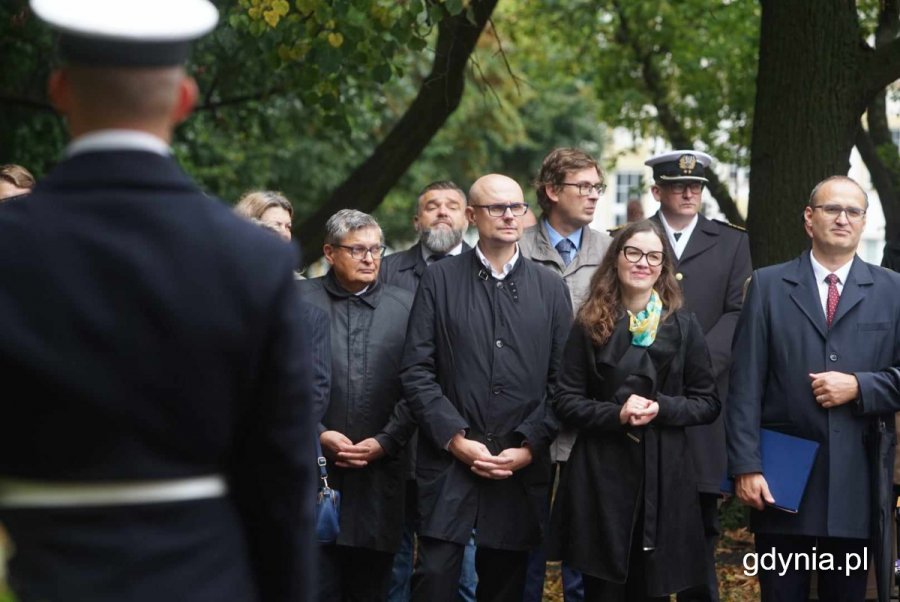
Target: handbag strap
(320,460)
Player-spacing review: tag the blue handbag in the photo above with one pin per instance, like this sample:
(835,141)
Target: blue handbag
(328,504)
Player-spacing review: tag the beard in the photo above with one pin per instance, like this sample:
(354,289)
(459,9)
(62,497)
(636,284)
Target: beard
(440,240)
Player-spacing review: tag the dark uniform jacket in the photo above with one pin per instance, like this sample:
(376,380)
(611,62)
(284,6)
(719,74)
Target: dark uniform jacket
(781,338)
(713,268)
(480,356)
(617,473)
(367,333)
(152,334)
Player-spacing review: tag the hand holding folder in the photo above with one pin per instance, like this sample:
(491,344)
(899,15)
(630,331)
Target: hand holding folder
(787,462)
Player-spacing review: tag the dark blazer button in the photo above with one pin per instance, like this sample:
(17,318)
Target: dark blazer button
(833,357)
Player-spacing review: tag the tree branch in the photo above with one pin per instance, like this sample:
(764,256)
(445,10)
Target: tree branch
(211,105)
(884,63)
(438,97)
(671,125)
(26,103)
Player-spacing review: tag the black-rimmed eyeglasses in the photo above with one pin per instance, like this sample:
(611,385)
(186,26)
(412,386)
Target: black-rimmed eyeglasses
(517,209)
(585,188)
(854,214)
(360,252)
(634,255)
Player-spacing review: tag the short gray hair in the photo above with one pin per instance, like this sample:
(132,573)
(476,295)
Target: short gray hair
(346,221)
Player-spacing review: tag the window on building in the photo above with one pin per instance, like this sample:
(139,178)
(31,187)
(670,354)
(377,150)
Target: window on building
(629,185)
(895,136)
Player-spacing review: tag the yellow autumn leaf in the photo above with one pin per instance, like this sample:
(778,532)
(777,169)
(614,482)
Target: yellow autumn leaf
(281,7)
(254,12)
(272,18)
(335,39)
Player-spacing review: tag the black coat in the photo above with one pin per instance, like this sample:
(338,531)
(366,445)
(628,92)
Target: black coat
(712,271)
(367,333)
(319,329)
(158,336)
(617,472)
(405,268)
(480,357)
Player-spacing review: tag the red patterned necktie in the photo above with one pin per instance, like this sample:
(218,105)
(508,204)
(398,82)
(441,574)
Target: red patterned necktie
(833,297)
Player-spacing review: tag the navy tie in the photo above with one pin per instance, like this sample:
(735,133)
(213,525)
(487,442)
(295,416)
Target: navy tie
(566,250)
(436,257)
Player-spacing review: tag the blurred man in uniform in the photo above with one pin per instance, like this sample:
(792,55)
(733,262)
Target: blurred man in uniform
(163,447)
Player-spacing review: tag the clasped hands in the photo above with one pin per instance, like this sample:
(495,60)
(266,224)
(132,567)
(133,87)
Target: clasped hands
(346,454)
(486,465)
(638,411)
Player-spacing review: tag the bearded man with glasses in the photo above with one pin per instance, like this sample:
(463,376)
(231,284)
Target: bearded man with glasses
(712,262)
(365,427)
(482,353)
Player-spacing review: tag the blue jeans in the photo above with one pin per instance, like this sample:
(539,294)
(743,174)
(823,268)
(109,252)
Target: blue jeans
(403,567)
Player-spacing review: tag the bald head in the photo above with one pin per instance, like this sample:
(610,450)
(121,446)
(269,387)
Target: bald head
(495,188)
(496,208)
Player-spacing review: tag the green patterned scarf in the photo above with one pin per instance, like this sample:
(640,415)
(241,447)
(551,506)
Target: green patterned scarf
(643,325)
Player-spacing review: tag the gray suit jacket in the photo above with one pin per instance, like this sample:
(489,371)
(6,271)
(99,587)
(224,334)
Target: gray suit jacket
(535,245)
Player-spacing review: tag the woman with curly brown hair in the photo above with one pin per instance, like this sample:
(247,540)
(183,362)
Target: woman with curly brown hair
(635,372)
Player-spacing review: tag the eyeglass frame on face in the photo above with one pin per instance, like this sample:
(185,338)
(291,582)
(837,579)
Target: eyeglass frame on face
(661,254)
(359,252)
(503,208)
(680,187)
(584,188)
(833,210)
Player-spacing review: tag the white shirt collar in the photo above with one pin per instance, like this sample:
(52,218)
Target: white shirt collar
(426,253)
(679,245)
(820,272)
(507,268)
(105,140)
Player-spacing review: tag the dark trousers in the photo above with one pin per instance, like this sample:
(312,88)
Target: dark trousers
(709,592)
(353,574)
(573,589)
(501,573)
(834,584)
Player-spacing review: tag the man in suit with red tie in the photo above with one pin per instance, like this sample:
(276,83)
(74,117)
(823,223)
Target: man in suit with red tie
(817,355)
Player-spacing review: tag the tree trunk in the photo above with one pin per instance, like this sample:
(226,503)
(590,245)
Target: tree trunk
(809,98)
(365,188)
(877,148)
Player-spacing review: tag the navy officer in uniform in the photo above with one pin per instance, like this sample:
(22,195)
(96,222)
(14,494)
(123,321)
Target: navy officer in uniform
(160,447)
(712,262)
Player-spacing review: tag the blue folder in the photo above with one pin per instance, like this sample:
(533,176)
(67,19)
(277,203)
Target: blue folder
(786,464)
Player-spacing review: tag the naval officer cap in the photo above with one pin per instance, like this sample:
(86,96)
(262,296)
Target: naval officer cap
(679,166)
(127,33)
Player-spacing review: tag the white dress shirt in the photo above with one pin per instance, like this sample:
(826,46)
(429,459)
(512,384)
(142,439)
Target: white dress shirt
(821,272)
(678,245)
(104,140)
